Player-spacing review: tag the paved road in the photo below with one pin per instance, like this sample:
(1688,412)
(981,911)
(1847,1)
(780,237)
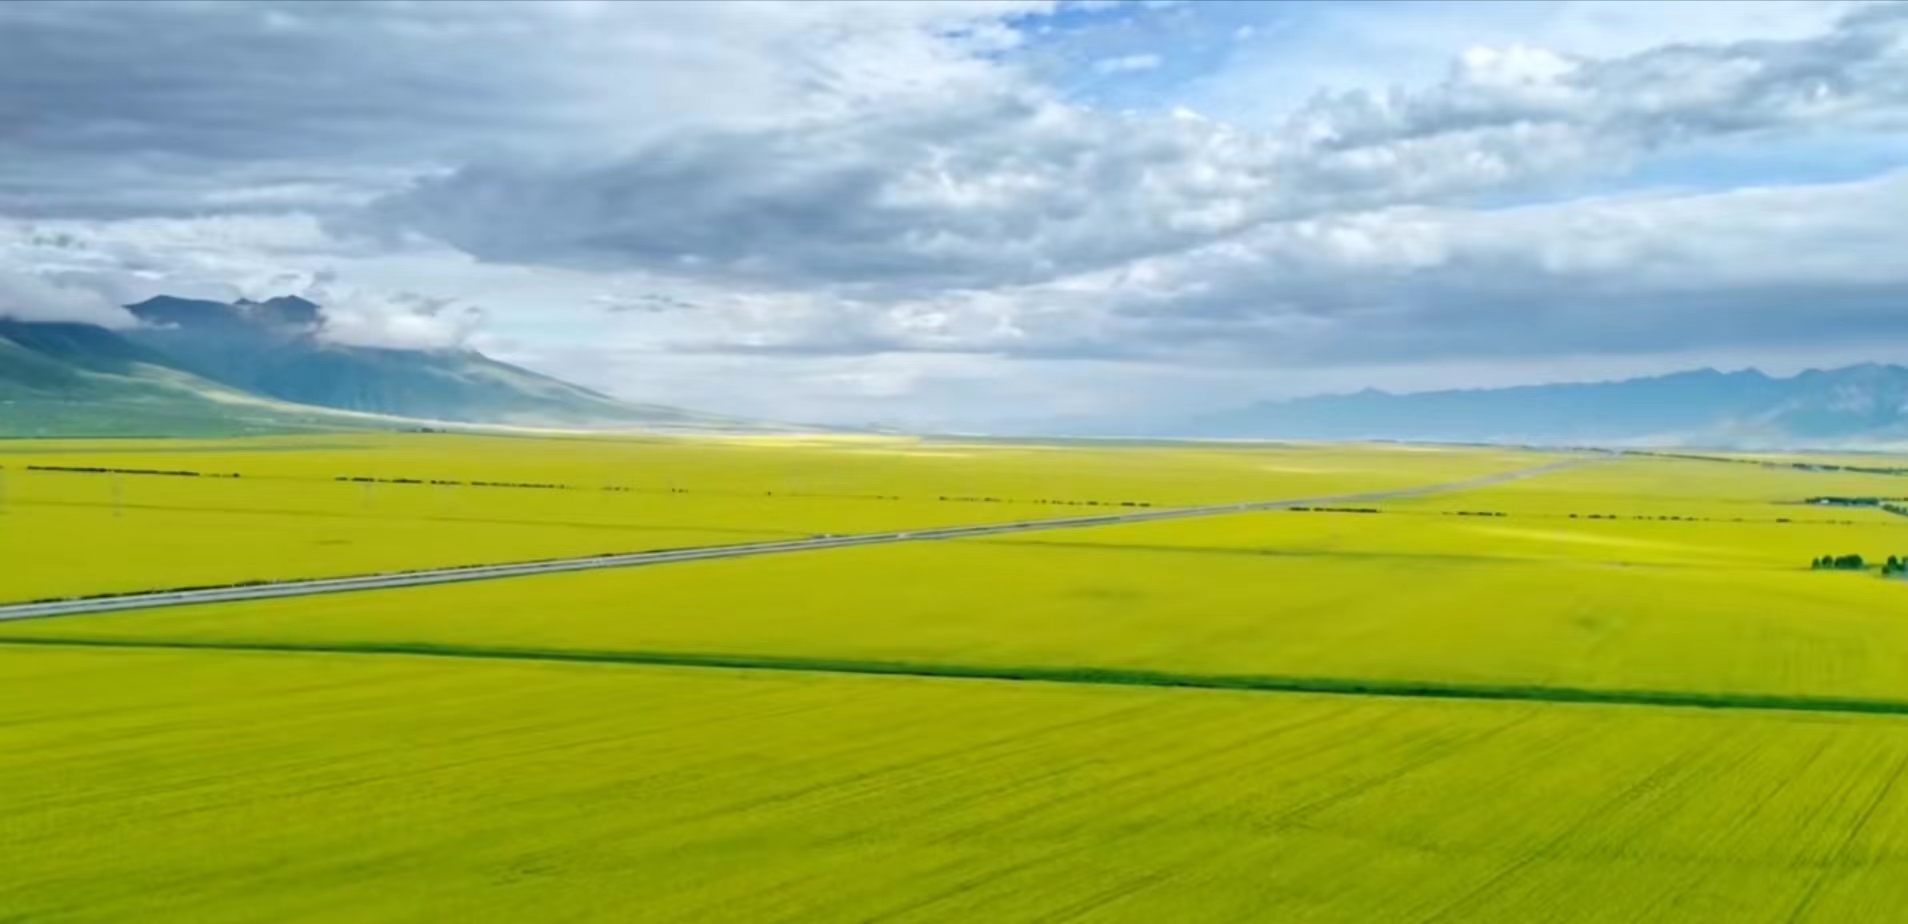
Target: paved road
(301,588)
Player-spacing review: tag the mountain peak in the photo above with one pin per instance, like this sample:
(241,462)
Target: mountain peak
(283,313)
(185,313)
(288,310)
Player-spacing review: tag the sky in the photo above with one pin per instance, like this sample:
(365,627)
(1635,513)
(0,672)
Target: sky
(983,214)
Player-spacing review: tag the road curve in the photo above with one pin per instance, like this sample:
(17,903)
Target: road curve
(301,588)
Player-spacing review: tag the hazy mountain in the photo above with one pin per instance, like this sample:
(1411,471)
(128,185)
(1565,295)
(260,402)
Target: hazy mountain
(60,379)
(197,366)
(272,348)
(1858,404)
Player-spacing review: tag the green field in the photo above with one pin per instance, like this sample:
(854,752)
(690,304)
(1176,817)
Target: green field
(1464,706)
(273,508)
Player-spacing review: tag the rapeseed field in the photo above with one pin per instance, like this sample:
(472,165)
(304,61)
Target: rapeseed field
(1464,706)
(1655,486)
(1410,616)
(238,787)
(110,516)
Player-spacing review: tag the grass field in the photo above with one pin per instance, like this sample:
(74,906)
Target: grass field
(1002,729)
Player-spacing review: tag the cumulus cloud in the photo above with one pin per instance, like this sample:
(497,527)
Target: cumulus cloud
(1612,275)
(401,320)
(178,107)
(1750,267)
(1856,72)
(31,297)
(1014,186)
(973,191)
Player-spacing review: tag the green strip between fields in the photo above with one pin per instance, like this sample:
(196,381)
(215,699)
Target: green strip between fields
(1101,676)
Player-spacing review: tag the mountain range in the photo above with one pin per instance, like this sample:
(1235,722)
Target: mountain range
(1857,405)
(196,366)
(201,366)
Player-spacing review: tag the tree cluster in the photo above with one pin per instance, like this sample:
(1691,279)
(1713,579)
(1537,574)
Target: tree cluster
(1895,566)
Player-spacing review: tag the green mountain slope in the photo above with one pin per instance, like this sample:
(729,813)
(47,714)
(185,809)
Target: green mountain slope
(207,367)
(81,380)
(272,348)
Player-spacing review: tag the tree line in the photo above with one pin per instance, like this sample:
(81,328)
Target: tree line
(1896,565)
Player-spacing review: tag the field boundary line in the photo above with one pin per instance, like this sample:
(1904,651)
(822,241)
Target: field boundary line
(260,590)
(1086,676)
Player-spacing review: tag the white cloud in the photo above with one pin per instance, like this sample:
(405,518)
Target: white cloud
(970,191)
(31,297)
(402,320)
(1126,64)
(175,106)
(1006,185)
(1753,268)
(1374,47)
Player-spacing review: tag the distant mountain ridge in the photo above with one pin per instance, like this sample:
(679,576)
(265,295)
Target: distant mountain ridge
(1858,404)
(64,379)
(194,362)
(273,348)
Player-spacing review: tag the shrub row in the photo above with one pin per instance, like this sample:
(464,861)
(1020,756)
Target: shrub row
(96,470)
(1046,501)
(367,479)
(949,498)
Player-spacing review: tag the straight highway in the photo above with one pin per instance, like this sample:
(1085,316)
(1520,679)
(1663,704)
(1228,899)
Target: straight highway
(308,587)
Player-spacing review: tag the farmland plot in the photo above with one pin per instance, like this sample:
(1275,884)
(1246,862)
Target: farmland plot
(87,517)
(1464,707)
(210,787)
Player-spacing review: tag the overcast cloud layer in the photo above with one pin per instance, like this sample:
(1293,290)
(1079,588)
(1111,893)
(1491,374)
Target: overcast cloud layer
(974,214)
